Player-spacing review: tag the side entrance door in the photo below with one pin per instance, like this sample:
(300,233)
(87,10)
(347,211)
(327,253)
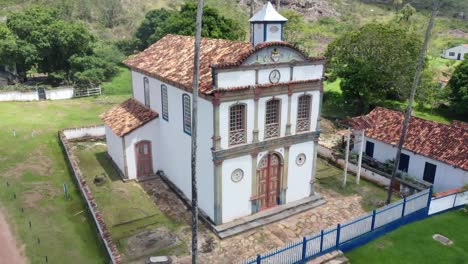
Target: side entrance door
(144,159)
(269,174)
(459,56)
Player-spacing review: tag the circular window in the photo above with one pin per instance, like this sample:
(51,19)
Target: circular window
(300,159)
(274,29)
(237,175)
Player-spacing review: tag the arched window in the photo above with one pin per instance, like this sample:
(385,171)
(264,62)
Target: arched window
(147,92)
(187,112)
(303,113)
(237,127)
(272,118)
(164,103)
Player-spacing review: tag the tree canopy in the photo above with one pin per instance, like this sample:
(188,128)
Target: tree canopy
(38,38)
(161,22)
(375,62)
(458,85)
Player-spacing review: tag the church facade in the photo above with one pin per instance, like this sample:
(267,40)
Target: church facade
(259,113)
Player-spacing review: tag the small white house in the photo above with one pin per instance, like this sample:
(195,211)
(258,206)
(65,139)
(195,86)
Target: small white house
(258,129)
(433,152)
(456,53)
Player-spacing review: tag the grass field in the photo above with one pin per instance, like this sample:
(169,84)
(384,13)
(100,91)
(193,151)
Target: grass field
(331,177)
(413,243)
(33,165)
(134,212)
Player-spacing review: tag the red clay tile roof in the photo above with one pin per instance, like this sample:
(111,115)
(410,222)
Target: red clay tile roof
(440,142)
(459,124)
(127,116)
(171,59)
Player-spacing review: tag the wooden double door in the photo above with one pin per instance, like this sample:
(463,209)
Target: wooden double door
(144,159)
(269,178)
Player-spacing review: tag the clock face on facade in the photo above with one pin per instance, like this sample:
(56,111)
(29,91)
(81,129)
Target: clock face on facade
(237,175)
(275,76)
(300,159)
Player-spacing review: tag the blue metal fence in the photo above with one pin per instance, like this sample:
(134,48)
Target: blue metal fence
(351,234)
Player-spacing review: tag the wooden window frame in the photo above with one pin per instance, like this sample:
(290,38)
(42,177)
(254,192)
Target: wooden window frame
(146,91)
(278,118)
(187,126)
(164,103)
(299,120)
(244,125)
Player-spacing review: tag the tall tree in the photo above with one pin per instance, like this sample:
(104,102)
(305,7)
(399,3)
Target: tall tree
(195,84)
(458,85)
(409,110)
(159,23)
(375,62)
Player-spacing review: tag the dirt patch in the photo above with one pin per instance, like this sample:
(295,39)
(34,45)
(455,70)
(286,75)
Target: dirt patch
(150,242)
(31,198)
(38,162)
(9,251)
(457,33)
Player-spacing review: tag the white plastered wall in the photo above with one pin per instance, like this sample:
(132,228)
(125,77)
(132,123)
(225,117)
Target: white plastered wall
(236,195)
(299,176)
(173,145)
(115,148)
(446,177)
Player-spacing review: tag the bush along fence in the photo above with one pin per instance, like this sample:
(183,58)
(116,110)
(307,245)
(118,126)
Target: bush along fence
(357,232)
(103,231)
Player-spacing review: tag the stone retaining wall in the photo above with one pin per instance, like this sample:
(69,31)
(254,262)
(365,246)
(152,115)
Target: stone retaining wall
(104,233)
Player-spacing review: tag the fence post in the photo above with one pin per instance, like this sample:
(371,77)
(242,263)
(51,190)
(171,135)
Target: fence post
(338,228)
(259,259)
(304,248)
(373,220)
(429,198)
(455,200)
(321,241)
(404,206)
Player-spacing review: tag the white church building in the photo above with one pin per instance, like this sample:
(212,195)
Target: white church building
(258,130)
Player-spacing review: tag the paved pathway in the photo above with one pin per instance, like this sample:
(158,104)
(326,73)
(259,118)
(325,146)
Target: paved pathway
(9,252)
(338,209)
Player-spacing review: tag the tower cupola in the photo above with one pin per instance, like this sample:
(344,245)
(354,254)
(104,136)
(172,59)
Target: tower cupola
(267,25)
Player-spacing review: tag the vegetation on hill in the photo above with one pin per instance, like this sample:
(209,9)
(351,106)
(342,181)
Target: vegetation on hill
(160,22)
(375,62)
(458,85)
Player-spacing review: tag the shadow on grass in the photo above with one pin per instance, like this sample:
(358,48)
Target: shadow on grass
(106,164)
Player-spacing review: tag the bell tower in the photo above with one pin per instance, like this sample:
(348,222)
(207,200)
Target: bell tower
(266,25)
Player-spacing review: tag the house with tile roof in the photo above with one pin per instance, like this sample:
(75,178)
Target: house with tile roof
(433,152)
(456,53)
(259,112)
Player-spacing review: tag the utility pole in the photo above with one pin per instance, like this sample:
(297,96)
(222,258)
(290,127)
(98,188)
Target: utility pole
(195,84)
(417,76)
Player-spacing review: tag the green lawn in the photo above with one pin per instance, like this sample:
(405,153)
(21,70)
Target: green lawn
(134,210)
(35,168)
(121,84)
(413,243)
(331,177)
